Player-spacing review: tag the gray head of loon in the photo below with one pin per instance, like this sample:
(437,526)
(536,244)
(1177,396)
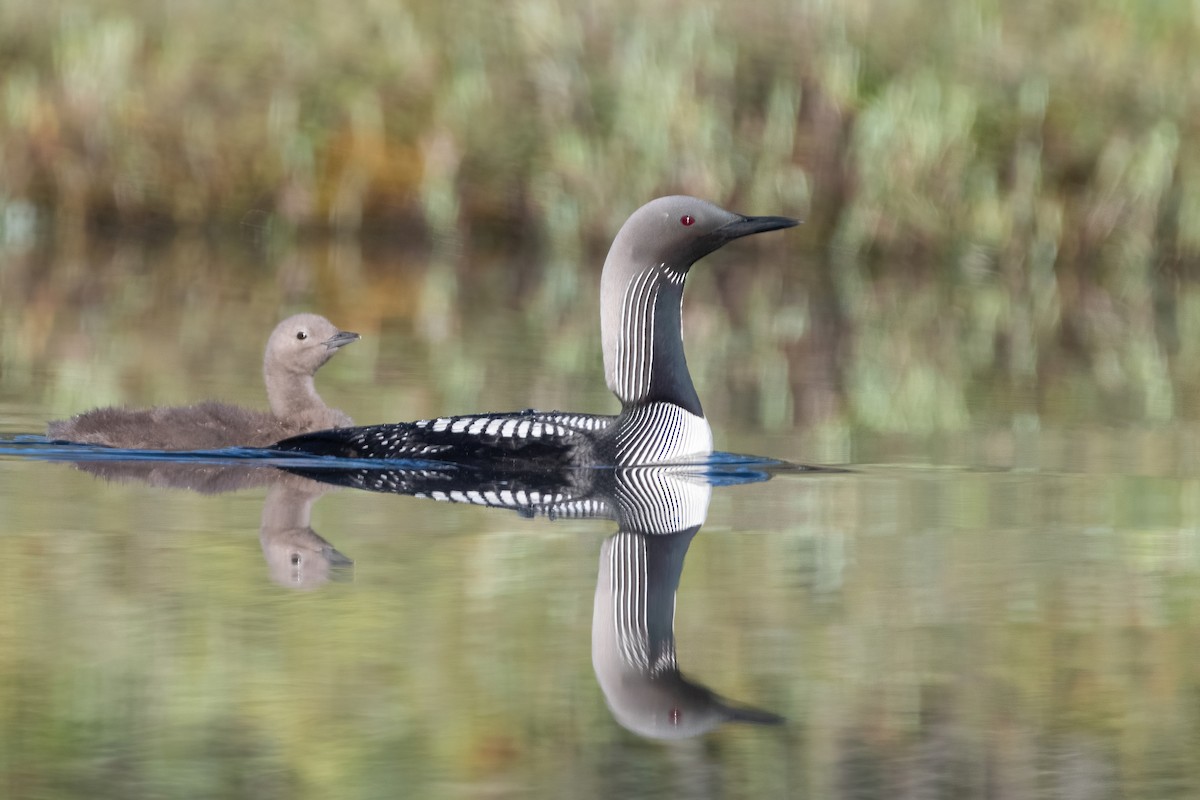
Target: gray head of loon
(641,292)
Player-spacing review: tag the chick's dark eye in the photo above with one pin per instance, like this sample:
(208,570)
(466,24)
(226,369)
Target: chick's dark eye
(686,220)
(302,336)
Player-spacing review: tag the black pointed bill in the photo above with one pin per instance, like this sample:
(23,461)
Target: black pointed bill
(748,225)
(742,226)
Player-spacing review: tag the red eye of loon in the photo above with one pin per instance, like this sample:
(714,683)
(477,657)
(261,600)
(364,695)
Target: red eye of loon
(687,219)
(675,715)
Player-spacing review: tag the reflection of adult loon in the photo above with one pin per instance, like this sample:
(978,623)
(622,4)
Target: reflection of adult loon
(633,621)
(633,642)
(658,510)
(661,420)
(296,349)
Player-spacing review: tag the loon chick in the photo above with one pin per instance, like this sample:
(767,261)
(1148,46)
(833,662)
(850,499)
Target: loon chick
(641,295)
(296,349)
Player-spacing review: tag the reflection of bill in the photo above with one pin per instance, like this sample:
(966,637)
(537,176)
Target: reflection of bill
(633,621)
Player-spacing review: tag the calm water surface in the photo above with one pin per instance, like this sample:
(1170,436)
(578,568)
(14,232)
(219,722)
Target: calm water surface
(1000,607)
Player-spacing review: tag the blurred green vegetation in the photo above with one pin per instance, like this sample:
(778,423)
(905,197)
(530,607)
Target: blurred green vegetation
(1011,136)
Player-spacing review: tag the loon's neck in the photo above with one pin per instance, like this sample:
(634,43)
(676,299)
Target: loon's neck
(641,327)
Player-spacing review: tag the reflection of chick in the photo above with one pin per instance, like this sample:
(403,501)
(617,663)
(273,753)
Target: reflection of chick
(297,557)
(297,348)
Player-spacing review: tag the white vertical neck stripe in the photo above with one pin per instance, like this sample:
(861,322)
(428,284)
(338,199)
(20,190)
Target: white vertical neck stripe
(635,342)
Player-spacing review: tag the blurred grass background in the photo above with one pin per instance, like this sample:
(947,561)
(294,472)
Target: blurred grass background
(1001,199)
(1019,134)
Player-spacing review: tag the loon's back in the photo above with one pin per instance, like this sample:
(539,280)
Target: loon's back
(652,433)
(550,438)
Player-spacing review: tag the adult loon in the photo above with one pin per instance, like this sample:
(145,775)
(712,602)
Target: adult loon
(641,295)
(296,349)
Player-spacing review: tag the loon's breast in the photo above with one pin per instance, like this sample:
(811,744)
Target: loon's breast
(659,433)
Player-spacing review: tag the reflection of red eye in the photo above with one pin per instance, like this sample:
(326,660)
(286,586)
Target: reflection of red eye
(687,219)
(676,714)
